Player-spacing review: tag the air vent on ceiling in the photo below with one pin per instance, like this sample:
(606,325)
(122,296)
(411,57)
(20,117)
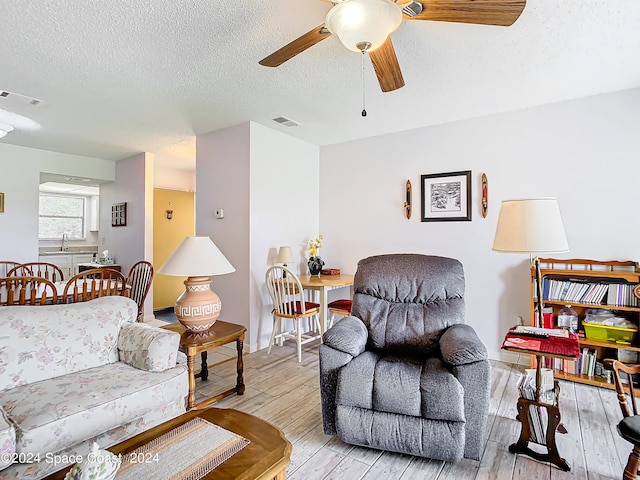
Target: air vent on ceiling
(285,121)
(77,179)
(20,98)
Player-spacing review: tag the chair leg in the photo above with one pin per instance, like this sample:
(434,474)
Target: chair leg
(276,322)
(631,470)
(317,320)
(333,315)
(299,339)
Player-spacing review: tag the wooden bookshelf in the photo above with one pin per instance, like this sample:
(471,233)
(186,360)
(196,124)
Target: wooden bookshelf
(592,271)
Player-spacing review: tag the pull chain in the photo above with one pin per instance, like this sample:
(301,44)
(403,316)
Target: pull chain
(364,111)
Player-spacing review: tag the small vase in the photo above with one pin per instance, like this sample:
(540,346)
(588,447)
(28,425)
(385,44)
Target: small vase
(315,265)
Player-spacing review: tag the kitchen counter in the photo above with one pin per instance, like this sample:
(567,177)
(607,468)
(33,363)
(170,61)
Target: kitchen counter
(68,252)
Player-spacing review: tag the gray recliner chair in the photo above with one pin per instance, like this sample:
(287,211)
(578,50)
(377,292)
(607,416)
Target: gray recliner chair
(403,373)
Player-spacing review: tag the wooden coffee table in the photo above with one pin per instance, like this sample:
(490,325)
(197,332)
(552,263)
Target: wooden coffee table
(219,334)
(265,458)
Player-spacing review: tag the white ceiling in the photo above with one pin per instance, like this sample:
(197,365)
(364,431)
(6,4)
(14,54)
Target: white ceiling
(119,77)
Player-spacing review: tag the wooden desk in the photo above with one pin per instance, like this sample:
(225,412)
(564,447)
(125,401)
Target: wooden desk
(323,284)
(265,458)
(219,334)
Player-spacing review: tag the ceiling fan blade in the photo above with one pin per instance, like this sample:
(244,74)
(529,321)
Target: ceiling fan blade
(299,45)
(485,12)
(387,68)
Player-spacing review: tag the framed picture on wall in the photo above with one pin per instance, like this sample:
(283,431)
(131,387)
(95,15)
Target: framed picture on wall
(1,202)
(119,214)
(446,196)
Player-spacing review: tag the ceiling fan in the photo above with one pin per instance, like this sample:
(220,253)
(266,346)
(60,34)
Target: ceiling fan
(365,26)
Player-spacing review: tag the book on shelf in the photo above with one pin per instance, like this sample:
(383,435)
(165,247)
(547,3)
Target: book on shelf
(596,293)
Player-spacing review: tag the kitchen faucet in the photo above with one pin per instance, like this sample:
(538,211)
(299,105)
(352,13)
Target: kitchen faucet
(65,242)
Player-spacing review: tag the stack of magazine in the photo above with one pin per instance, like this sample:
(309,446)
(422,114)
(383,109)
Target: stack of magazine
(538,416)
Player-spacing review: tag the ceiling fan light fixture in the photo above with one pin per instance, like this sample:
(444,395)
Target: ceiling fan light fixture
(4,129)
(357,22)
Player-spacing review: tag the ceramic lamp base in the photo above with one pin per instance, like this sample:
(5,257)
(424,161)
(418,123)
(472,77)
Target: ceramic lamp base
(198,307)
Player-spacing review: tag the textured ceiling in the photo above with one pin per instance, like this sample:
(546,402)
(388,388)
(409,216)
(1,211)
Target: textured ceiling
(119,77)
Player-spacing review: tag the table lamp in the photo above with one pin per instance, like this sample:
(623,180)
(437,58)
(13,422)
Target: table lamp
(285,255)
(533,226)
(197,258)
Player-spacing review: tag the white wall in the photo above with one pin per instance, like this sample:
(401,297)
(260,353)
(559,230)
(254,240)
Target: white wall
(174,179)
(222,181)
(585,152)
(267,184)
(133,242)
(284,211)
(20,169)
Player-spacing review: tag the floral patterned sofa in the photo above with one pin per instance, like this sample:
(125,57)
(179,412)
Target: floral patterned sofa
(77,373)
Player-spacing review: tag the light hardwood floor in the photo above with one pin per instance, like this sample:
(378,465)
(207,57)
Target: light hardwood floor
(286,393)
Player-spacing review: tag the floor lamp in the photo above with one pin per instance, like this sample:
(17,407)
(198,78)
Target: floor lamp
(533,226)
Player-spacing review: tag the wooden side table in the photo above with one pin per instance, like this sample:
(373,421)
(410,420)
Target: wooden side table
(192,343)
(553,410)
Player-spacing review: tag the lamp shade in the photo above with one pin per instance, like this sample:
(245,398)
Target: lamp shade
(532,225)
(285,255)
(196,257)
(357,22)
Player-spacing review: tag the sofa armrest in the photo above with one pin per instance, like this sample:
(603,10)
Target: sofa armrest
(460,345)
(349,336)
(7,441)
(148,348)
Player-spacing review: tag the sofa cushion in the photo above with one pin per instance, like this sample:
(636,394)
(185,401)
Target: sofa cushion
(46,466)
(401,385)
(62,411)
(7,440)
(38,343)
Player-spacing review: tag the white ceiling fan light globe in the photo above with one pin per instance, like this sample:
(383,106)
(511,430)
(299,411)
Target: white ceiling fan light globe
(4,129)
(363,21)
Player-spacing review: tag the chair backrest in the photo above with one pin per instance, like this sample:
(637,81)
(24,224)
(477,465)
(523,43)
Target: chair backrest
(286,292)
(6,266)
(139,280)
(94,283)
(38,269)
(622,377)
(408,300)
(27,291)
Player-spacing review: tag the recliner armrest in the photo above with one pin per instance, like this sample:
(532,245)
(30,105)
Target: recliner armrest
(460,345)
(349,335)
(148,348)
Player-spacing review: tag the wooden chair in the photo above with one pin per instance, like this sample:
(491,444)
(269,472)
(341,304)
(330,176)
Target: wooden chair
(6,266)
(94,283)
(139,281)
(27,291)
(338,307)
(38,269)
(287,296)
(629,426)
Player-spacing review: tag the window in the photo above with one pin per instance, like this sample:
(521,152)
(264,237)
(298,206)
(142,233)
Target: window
(61,214)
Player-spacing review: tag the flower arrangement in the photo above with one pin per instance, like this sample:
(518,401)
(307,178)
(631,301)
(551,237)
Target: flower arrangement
(315,263)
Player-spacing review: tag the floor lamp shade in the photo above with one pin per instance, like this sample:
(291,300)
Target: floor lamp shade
(197,258)
(532,225)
